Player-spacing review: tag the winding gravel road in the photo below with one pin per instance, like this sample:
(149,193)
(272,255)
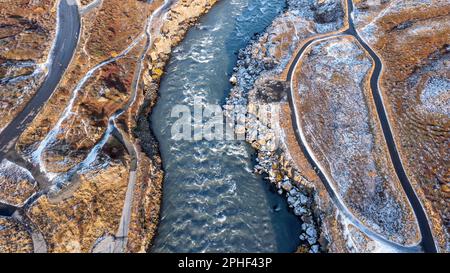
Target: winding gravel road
(68,30)
(427,243)
(63,49)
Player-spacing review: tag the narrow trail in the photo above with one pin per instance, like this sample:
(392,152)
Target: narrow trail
(61,54)
(68,30)
(91,6)
(122,233)
(121,237)
(66,42)
(67,12)
(58,180)
(19,215)
(427,243)
(90,158)
(37,155)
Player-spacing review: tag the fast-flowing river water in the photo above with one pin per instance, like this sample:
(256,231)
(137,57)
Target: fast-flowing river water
(212,201)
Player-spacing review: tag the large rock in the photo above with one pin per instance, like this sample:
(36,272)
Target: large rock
(327,11)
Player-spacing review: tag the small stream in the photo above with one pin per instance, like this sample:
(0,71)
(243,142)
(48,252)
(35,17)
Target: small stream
(212,201)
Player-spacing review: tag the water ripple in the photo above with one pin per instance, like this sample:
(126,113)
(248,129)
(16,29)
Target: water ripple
(212,202)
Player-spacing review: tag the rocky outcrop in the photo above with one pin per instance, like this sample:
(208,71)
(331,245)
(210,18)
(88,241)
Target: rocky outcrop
(328,15)
(327,11)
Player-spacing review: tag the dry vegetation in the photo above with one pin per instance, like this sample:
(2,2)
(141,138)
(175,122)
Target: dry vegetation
(413,40)
(27,30)
(14,238)
(339,120)
(84,211)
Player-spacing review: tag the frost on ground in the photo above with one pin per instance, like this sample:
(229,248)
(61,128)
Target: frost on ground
(12,100)
(412,39)
(26,34)
(358,242)
(79,138)
(327,14)
(16,184)
(339,120)
(256,83)
(269,55)
(435,97)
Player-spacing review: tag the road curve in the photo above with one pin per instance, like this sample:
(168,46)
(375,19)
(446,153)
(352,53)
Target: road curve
(332,191)
(427,242)
(63,49)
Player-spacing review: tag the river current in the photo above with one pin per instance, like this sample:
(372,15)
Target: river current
(212,201)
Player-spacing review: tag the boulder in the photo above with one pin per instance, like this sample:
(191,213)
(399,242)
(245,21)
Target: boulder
(233,80)
(327,11)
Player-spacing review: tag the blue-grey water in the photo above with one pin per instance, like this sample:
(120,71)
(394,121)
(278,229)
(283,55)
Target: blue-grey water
(212,202)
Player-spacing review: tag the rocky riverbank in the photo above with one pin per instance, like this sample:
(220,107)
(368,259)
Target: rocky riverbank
(86,175)
(96,179)
(257,85)
(183,15)
(260,79)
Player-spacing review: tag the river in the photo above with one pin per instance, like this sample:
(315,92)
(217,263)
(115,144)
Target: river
(212,201)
